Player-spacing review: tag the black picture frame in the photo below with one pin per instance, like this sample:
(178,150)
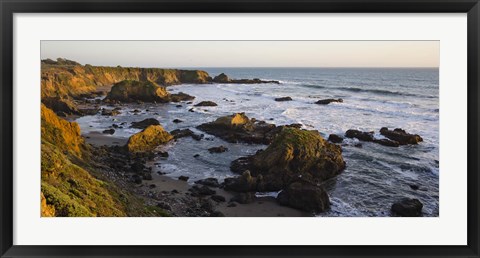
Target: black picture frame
(8,8)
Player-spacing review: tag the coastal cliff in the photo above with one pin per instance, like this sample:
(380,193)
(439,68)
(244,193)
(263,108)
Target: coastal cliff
(67,78)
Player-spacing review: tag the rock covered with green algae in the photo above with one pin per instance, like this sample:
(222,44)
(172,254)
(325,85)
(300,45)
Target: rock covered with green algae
(132,91)
(148,139)
(294,155)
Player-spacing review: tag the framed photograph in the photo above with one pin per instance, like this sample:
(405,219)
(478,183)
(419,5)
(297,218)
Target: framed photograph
(239,129)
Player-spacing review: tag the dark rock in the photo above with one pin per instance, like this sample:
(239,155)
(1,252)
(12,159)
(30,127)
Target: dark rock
(218,198)
(197,137)
(328,101)
(178,106)
(163,154)
(180,133)
(363,136)
(407,208)
(283,99)
(212,182)
(109,131)
(414,187)
(206,104)
(147,176)
(386,142)
(191,110)
(244,183)
(181,97)
(177,121)
(137,179)
(183,178)
(244,198)
(152,186)
(401,136)
(115,126)
(201,190)
(218,149)
(196,155)
(335,138)
(305,197)
(145,123)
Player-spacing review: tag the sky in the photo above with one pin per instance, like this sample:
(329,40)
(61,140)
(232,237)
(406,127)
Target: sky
(173,54)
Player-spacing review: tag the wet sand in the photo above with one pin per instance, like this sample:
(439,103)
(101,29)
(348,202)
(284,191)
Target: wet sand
(100,139)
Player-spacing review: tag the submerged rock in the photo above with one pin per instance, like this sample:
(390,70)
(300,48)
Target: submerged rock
(239,128)
(145,123)
(206,104)
(148,139)
(283,99)
(305,197)
(183,178)
(401,136)
(328,101)
(109,131)
(134,91)
(218,149)
(294,155)
(407,208)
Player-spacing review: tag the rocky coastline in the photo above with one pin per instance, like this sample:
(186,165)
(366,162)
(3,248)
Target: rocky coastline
(88,177)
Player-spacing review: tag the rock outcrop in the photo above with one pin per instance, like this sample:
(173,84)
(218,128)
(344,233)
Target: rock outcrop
(62,106)
(134,91)
(328,101)
(294,155)
(305,197)
(239,128)
(221,78)
(177,97)
(148,139)
(283,99)
(206,104)
(407,208)
(61,133)
(145,123)
(401,136)
(369,137)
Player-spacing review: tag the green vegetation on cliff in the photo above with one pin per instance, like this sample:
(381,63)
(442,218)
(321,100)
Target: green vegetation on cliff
(71,184)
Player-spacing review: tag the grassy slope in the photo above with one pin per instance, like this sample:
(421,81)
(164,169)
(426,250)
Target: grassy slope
(70,184)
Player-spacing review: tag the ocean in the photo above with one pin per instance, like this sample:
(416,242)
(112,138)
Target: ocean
(375,175)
